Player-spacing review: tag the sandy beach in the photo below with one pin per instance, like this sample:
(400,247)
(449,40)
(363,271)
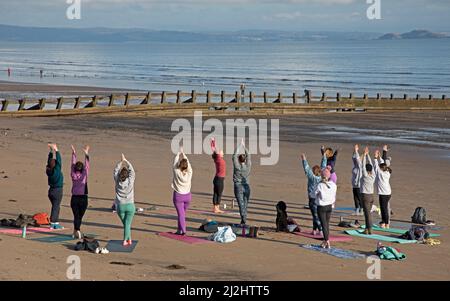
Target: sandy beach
(420,150)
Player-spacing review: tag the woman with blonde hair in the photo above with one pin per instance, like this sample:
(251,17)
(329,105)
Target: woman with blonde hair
(181,185)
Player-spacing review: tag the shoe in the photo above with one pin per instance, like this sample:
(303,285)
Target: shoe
(56,226)
(104,251)
(130,242)
(387,226)
(113,208)
(382,225)
(78,235)
(367,232)
(327,245)
(125,243)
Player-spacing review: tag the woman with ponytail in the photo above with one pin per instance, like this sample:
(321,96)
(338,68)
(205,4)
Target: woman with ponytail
(325,200)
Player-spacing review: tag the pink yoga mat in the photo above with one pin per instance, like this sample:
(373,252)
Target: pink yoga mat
(184,238)
(30,229)
(338,238)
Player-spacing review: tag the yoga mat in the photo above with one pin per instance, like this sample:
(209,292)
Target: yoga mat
(212,213)
(340,253)
(344,209)
(380,237)
(59,238)
(184,238)
(336,238)
(115,246)
(407,226)
(18,231)
(394,230)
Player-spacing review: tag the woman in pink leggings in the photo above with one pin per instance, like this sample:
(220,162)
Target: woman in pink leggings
(181,185)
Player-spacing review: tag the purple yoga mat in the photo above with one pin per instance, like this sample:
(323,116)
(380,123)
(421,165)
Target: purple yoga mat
(338,238)
(184,238)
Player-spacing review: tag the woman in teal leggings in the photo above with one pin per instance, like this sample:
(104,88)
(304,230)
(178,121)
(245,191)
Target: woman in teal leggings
(124,177)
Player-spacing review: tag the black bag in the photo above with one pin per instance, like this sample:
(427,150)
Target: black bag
(419,216)
(88,244)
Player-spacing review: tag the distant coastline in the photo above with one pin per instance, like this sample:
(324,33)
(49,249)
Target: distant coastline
(9,33)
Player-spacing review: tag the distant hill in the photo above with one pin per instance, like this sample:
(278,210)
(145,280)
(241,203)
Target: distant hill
(46,34)
(415,34)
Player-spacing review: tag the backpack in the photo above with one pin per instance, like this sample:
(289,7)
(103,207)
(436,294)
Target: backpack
(419,216)
(42,218)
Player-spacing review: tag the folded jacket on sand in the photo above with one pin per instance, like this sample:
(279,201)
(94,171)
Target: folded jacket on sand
(340,253)
(359,233)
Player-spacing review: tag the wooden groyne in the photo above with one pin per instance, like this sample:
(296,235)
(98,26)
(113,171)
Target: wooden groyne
(175,103)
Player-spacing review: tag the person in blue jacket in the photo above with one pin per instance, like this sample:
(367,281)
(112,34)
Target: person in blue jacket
(314,178)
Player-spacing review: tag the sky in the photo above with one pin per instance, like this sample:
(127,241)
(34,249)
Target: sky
(232,15)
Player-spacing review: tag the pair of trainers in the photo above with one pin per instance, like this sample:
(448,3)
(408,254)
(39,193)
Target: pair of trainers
(367,231)
(127,243)
(101,251)
(384,226)
(56,226)
(253,231)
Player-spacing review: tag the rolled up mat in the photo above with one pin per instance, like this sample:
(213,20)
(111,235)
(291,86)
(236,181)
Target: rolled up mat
(184,238)
(115,246)
(336,238)
(340,253)
(394,230)
(379,237)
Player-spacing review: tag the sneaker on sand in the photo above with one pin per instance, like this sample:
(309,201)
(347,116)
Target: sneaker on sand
(56,226)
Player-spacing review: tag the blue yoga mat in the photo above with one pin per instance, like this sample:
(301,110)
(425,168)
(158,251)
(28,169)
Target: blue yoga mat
(58,238)
(340,253)
(380,237)
(115,246)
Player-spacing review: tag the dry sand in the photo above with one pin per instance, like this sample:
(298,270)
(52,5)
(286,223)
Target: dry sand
(420,178)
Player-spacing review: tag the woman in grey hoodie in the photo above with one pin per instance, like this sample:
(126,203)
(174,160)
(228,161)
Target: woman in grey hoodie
(356,181)
(124,177)
(242,164)
(367,189)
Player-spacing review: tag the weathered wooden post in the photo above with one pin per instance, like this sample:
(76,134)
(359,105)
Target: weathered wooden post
(21,104)
(430,97)
(111,100)
(279,98)
(294,98)
(378,96)
(324,97)
(338,97)
(366,97)
(251,97)
(194,96)
(392,96)
(149,97)
(208,96)
(265,97)
(59,103)
(405,96)
(418,97)
(5,104)
(94,101)
(178,97)
(77,103)
(350,96)
(444,97)
(41,103)
(127,99)
(237,96)
(163,97)
(222,96)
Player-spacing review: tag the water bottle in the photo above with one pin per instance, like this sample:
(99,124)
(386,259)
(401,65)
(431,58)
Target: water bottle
(24,231)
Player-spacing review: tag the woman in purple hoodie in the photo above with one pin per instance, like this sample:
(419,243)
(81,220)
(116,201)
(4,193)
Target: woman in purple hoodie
(79,202)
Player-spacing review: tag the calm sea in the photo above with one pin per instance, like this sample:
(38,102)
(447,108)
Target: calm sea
(404,66)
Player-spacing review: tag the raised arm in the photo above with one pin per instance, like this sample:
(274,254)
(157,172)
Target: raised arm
(58,160)
(213,145)
(236,163)
(176,160)
(363,167)
(323,163)
(308,172)
(356,158)
(385,151)
(117,170)
(248,158)
(132,173)
(86,160)
(74,157)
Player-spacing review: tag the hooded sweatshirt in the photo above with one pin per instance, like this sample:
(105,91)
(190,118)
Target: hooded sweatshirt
(181,181)
(332,160)
(356,170)
(367,180)
(55,176)
(79,179)
(313,180)
(382,179)
(125,189)
(326,193)
(241,171)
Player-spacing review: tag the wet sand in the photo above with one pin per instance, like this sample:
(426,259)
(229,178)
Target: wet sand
(420,178)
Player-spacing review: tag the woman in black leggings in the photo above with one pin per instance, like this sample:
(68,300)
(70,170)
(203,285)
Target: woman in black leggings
(325,198)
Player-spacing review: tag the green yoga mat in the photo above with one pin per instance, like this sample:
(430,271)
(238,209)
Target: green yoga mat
(380,237)
(395,231)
